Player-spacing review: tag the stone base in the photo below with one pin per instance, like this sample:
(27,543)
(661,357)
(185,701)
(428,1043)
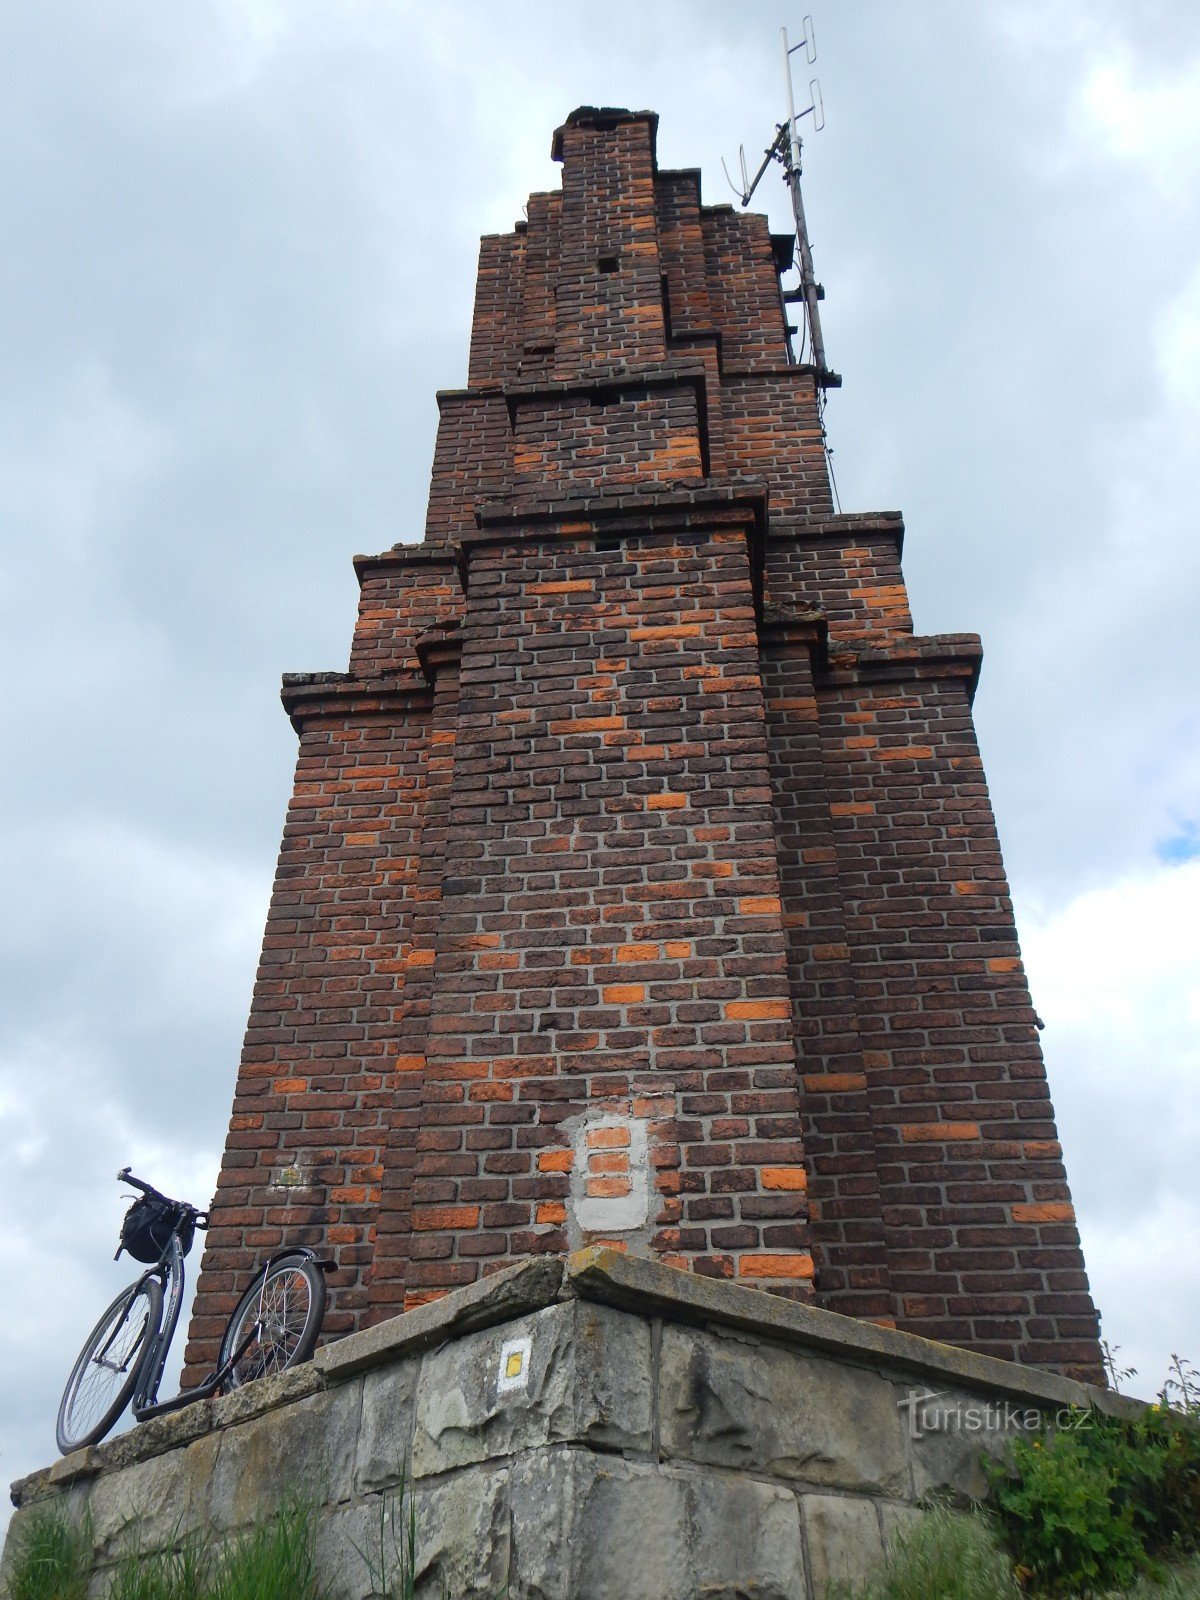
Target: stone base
(574,1431)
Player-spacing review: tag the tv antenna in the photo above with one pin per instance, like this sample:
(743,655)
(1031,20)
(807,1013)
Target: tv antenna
(785,148)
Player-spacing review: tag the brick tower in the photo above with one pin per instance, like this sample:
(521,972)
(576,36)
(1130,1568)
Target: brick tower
(640,882)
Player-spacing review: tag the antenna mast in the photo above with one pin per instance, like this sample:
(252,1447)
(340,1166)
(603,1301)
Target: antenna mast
(791,170)
(785,148)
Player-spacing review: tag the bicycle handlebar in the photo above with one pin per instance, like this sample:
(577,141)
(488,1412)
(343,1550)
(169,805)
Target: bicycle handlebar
(200,1218)
(125,1176)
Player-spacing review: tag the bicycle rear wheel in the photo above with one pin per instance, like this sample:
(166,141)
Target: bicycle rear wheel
(280,1316)
(107,1371)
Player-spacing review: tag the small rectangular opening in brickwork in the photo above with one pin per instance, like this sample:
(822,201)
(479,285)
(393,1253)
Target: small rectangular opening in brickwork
(608,264)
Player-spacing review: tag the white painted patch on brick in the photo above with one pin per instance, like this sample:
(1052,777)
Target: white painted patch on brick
(609,1214)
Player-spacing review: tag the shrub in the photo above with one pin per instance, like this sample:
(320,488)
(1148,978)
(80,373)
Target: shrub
(1101,1500)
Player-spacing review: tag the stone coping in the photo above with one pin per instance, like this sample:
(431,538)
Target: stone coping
(611,1278)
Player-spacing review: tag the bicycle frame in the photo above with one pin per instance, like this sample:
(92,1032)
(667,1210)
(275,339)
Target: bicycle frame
(170,1272)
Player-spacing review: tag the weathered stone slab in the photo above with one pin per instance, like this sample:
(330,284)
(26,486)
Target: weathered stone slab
(897,1522)
(587,1377)
(153,1503)
(306,1448)
(265,1394)
(653,1289)
(156,1437)
(589,1527)
(384,1452)
(756,1407)
(949,1433)
(845,1543)
(463,1540)
(515,1290)
(614,1379)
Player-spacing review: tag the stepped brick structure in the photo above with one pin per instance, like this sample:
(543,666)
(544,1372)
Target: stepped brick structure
(640,882)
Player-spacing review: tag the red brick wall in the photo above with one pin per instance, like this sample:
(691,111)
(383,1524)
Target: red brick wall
(640,882)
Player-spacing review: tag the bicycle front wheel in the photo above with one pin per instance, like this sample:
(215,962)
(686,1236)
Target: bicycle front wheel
(107,1371)
(277,1321)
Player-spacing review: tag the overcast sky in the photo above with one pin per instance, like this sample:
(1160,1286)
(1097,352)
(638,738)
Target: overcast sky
(237,255)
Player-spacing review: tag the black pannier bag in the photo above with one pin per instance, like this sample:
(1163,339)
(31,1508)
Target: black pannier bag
(147,1229)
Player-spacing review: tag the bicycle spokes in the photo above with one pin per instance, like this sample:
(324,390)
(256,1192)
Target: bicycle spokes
(281,1314)
(94,1391)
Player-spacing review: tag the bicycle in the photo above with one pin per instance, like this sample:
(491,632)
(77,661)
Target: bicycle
(274,1326)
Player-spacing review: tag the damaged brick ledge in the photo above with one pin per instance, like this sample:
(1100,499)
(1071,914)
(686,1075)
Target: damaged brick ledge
(607,1277)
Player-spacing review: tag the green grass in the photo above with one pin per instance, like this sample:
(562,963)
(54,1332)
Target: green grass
(1181,1583)
(944,1556)
(949,1556)
(51,1558)
(53,1561)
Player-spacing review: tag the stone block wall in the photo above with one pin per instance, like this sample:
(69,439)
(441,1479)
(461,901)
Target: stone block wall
(576,1431)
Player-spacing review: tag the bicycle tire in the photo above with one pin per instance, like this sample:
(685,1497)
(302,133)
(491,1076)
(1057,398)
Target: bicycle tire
(293,1306)
(96,1392)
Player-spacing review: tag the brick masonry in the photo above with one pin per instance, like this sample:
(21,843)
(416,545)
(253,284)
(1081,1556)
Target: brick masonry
(640,885)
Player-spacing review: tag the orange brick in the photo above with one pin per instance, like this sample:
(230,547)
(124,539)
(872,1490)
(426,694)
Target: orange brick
(409,1063)
(623,994)
(965,886)
(552,1212)
(608,1138)
(852,808)
(939,1132)
(289,1085)
(757,1010)
(678,949)
(571,586)
(422,1297)
(784,1178)
(428,1218)
(759,905)
(775,1266)
(555,1161)
(677,630)
(587,725)
(638,952)
(608,1161)
(834,1082)
(906,752)
(665,802)
(1047,1211)
(1004,964)
(422,958)
(607,1188)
